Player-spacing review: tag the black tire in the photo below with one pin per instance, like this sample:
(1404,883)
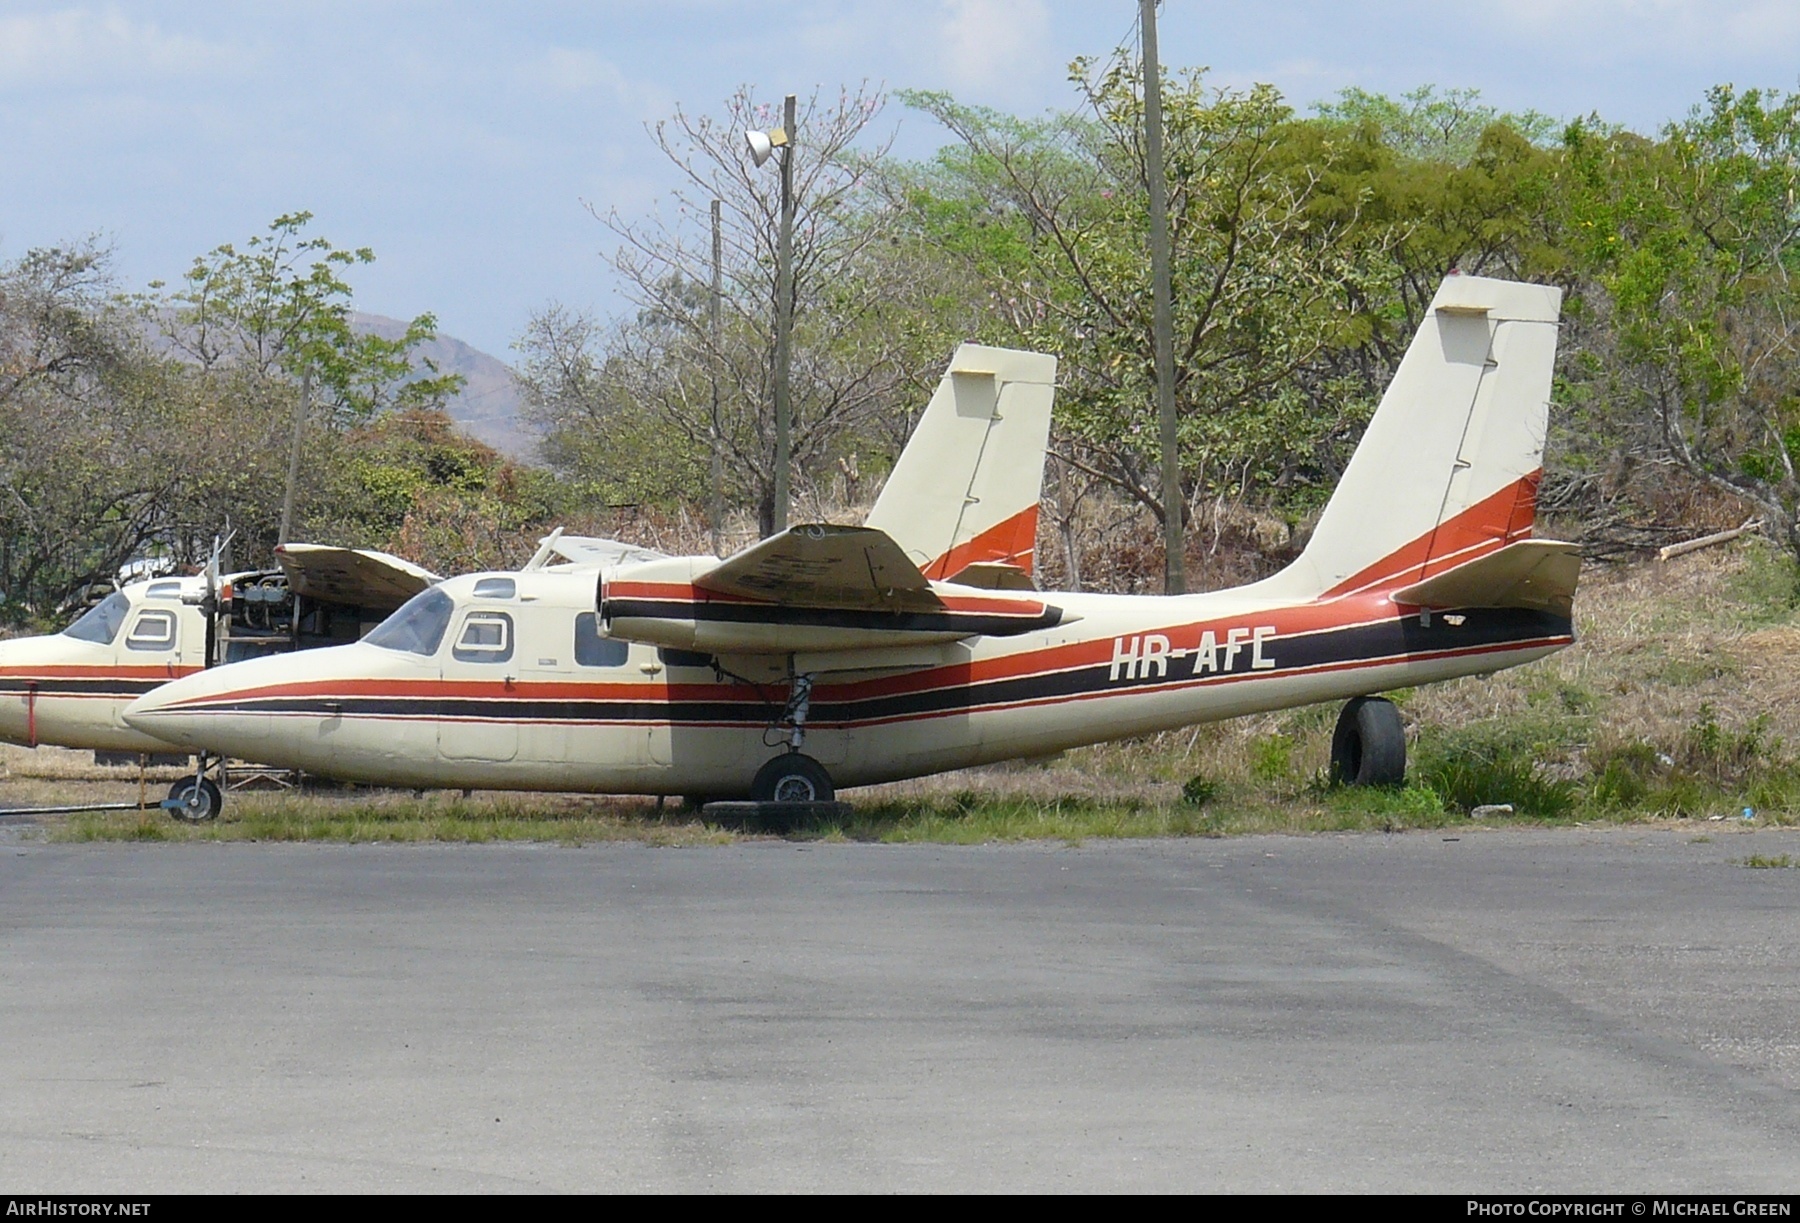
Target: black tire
(197,803)
(1369,746)
(792,778)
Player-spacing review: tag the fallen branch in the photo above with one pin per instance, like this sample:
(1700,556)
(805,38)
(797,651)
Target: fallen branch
(1707,541)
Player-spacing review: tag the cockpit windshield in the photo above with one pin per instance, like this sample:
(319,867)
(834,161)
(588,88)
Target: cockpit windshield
(418,627)
(101,624)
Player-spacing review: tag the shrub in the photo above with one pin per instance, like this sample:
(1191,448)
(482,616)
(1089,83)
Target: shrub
(1469,778)
(1199,790)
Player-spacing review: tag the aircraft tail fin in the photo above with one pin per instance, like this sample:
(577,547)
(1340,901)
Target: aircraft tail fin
(966,488)
(1448,470)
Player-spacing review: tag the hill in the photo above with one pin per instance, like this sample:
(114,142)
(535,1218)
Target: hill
(490,408)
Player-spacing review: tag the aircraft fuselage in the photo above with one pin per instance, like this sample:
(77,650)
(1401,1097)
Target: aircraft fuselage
(623,717)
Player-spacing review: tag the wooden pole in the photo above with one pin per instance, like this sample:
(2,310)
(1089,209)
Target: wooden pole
(716,503)
(293,473)
(784,317)
(1174,533)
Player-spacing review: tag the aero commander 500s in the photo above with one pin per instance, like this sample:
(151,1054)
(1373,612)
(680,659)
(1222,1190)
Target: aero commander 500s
(829,656)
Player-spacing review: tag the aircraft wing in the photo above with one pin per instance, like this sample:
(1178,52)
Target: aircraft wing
(818,591)
(359,577)
(1538,574)
(593,552)
(847,568)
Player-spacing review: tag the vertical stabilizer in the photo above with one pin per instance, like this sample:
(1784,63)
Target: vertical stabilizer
(967,485)
(1449,467)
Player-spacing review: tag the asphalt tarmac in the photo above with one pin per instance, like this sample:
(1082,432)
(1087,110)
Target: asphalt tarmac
(1492,1012)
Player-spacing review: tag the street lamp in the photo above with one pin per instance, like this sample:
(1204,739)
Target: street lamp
(762,147)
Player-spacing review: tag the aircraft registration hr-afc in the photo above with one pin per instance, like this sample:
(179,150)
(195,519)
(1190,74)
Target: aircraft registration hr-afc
(832,656)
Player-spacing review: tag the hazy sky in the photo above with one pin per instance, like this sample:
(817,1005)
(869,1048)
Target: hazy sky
(460,141)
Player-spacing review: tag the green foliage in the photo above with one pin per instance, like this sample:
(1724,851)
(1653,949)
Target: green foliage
(1199,790)
(1499,762)
(92,432)
(1272,758)
(1425,125)
(412,485)
(280,308)
(1689,243)
(1050,218)
(1467,779)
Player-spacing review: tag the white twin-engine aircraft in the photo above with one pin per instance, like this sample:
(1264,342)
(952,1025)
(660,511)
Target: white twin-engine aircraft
(840,656)
(70,689)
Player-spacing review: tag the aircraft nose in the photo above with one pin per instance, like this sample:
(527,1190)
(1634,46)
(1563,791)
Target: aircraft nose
(158,713)
(15,696)
(203,712)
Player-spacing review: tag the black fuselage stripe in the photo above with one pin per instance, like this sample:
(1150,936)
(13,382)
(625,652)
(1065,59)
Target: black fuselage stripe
(971,624)
(1385,641)
(119,689)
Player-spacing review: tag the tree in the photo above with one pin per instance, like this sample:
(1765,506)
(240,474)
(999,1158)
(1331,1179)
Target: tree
(87,431)
(1692,244)
(1051,214)
(279,308)
(649,377)
(253,324)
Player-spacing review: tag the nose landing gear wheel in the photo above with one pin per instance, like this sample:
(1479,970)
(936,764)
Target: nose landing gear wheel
(194,801)
(1369,746)
(792,778)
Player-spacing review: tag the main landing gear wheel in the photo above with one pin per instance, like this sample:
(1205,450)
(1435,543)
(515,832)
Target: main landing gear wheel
(792,778)
(195,800)
(1369,746)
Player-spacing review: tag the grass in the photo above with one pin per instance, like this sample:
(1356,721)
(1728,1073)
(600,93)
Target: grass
(1669,707)
(1770,862)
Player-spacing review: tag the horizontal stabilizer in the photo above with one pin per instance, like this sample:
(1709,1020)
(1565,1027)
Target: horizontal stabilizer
(1538,574)
(818,565)
(985,575)
(588,552)
(359,577)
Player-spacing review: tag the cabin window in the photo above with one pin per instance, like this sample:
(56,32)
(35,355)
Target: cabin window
(496,588)
(102,622)
(485,637)
(683,658)
(418,627)
(154,630)
(593,650)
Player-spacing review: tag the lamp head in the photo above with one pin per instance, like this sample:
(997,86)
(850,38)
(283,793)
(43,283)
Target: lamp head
(762,144)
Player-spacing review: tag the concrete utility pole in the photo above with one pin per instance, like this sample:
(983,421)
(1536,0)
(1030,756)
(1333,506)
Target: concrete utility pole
(1174,534)
(716,504)
(784,315)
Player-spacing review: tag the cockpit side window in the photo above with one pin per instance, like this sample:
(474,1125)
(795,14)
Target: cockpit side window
(152,631)
(486,637)
(418,627)
(102,622)
(593,650)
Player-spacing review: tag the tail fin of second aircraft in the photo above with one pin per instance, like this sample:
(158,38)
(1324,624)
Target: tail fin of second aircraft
(1449,467)
(966,488)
